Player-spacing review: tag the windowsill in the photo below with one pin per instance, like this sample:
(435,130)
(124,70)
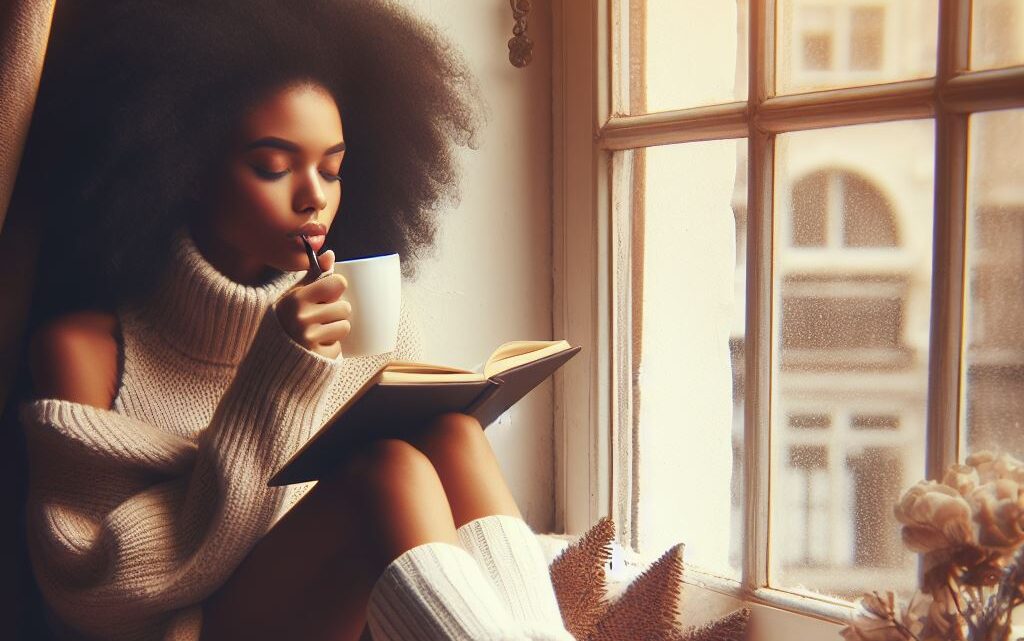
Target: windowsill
(705,597)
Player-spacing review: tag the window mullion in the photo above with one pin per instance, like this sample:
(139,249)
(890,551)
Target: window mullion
(984,90)
(626,298)
(757,401)
(758,352)
(948,246)
(579,254)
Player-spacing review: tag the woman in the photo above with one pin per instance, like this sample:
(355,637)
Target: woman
(182,354)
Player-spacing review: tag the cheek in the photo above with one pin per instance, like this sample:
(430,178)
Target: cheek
(335,197)
(252,199)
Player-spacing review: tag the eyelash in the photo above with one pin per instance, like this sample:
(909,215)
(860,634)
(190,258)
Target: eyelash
(271,175)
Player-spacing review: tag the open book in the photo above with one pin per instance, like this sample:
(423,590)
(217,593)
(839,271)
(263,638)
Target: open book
(403,396)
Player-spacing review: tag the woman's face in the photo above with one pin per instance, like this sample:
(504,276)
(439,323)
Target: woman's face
(279,178)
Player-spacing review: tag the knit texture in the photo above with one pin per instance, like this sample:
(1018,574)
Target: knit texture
(437,592)
(649,608)
(138,512)
(578,574)
(512,558)
(731,627)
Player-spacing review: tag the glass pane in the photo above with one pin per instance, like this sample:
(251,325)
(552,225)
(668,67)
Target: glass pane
(852,280)
(675,54)
(824,44)
(994,349)
(997,33)
(689,282)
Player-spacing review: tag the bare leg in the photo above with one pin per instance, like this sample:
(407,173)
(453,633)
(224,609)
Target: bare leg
(310,577)
(490,526)
(467,467)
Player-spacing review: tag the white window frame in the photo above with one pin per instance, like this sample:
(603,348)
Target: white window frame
(593,419)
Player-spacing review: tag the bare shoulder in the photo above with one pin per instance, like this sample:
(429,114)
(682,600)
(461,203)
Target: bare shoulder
(74,358)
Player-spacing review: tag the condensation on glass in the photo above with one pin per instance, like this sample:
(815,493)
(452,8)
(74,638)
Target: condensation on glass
(992,407)
(680,53)
(689,283)
(828,44)
(851,282)
(997,33)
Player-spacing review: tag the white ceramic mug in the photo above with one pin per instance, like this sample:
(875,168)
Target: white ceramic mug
(375,293)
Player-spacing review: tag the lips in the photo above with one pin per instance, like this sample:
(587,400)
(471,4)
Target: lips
(310,229)
(316,242)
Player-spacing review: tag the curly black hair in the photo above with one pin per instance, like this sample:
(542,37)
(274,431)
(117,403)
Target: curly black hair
(138,98)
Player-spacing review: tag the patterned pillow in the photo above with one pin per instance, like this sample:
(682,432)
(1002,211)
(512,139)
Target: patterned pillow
(648,609)
(579,579)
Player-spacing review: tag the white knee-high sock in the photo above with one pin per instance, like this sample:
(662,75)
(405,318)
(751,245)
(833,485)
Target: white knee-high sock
(436,592)
(511,556)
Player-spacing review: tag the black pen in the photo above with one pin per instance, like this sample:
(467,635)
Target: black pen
(314,264)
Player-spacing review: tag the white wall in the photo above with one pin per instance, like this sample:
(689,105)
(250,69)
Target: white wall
(490,281)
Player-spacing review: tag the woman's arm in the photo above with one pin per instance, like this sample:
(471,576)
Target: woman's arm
(130,522)
(75,358)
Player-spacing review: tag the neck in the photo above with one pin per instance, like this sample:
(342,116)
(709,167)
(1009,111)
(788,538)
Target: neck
(204,313)
(228,260)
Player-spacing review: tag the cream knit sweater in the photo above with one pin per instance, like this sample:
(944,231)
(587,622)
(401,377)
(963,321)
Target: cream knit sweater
(139,512)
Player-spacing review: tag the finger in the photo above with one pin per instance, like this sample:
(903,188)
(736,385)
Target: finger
(328,312)
(324,290)
(331,332)
(326,261)
(330,351)
(327,258)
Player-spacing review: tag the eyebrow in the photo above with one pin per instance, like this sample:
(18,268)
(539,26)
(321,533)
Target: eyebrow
(287,145)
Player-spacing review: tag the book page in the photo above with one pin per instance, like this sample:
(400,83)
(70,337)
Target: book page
(507,356)
(516,353)
(411,372)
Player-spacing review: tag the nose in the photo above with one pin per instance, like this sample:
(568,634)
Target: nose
(309,196)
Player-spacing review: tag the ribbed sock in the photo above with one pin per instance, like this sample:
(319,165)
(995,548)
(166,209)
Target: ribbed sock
(436,592)
(511,556)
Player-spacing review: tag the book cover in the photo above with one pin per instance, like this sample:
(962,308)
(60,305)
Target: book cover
(405,396)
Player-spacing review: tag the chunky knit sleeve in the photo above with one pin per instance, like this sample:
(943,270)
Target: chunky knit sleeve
(130,525)
(351,376)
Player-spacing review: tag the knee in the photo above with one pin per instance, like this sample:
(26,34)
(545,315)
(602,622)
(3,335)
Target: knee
(452,433)
(387,463)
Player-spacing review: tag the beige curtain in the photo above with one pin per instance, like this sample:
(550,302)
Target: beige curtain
(22,47)
(24,31)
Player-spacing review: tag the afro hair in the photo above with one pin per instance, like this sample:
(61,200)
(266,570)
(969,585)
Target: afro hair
(139,97)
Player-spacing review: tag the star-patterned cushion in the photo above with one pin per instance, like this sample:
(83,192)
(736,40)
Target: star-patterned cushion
(598,605)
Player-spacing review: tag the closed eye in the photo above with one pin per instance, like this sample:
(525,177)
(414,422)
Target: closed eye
(270,175)
(275,175)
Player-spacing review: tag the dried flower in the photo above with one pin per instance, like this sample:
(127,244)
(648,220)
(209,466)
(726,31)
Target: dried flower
(962,478)
(935,517)
(873,630)
(969,530)
(879,617)
(943,613)
(999,512)
(992,466)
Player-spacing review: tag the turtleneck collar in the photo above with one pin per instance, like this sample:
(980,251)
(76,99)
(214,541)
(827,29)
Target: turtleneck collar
(203,313)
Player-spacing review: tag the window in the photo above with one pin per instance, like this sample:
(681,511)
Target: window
(817,35)
(840,38)
(835,43)
(833,207)
(867,33)
(793,255)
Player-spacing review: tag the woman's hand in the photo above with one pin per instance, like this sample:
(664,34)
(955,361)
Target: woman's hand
(312,312)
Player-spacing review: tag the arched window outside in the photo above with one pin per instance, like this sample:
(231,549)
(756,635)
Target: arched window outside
(836,208)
